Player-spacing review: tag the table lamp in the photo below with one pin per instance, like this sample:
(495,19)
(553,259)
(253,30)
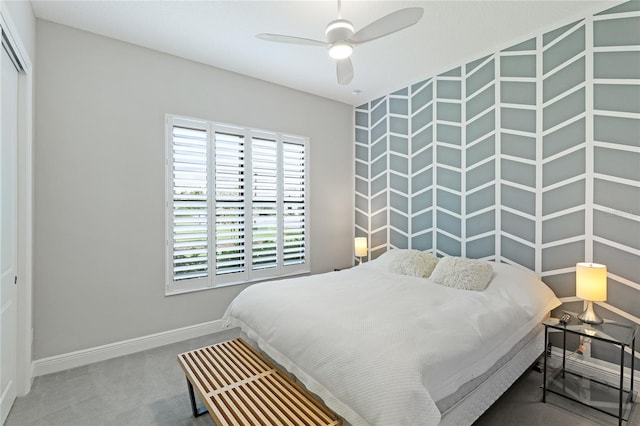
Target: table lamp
(591,285)
(360,248)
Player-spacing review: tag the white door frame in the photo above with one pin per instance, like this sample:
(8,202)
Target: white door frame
(24,361)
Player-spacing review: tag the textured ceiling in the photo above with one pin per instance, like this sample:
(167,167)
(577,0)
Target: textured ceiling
(222,34)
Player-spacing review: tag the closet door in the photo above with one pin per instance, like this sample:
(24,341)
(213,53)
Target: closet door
(8,231)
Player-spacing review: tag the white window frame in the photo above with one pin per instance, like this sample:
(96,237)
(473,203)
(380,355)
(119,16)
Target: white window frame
(212,280)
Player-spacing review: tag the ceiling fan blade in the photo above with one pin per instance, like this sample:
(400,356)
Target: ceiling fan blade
(290,39)
(344,69)
(388,24)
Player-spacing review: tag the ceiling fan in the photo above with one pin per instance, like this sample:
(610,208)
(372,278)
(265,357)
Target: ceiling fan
(341,36)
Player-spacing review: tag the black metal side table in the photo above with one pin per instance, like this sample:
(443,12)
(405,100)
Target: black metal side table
(587,388)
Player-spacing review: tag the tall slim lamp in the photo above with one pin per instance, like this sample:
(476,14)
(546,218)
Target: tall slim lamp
(360,244)
(591,285)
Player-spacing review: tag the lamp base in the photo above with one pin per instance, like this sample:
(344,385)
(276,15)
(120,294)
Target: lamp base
(589,316)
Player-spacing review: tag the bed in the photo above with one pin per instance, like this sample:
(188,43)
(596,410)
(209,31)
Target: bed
(385,348)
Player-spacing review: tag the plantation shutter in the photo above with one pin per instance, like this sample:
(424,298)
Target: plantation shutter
(264,202)
(189,204)
(294,167)
(235,205)
(229,203)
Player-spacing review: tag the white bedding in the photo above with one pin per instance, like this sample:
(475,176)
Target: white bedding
(380,348)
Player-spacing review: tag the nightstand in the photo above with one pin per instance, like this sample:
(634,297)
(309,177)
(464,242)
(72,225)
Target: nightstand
(588,389)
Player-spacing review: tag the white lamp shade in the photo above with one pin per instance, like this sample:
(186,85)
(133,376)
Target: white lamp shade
(591,282)
(360,246)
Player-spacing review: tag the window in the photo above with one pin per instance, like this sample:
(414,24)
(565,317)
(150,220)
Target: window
(236,205)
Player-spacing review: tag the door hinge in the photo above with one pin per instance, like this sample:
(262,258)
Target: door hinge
(15,280)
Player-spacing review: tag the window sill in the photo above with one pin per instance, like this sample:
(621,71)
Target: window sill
(229,284)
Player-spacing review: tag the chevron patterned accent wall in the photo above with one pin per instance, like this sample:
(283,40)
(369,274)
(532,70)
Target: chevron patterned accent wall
(529,156)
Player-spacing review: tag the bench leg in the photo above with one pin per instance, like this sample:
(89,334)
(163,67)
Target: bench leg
(197,411)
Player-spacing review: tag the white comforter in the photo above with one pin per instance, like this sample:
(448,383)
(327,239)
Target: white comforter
(380,348)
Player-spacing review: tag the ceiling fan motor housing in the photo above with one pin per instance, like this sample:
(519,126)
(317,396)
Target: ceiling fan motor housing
(339,30)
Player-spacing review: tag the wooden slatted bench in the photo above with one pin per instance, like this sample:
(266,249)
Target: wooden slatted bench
(239,386)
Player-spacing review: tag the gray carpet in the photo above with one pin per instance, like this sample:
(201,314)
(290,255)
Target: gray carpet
(149,388)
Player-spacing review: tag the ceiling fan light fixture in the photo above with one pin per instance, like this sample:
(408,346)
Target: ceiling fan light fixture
(340,50)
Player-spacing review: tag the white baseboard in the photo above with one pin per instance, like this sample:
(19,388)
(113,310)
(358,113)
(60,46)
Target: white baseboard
(100,353)
(606,371)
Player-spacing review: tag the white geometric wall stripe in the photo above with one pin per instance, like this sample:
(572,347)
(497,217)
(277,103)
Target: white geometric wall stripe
(478,158)
(448,163)
(421,195)
(529,156)
(566,154)
(379,176)
(615,154)
(518,155)
(399,162)
(362,178)
(372,174)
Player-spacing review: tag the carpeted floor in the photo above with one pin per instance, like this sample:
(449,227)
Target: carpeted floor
(149,388)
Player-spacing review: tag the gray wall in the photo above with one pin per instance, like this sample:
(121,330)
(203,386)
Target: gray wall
(99,182)
(529,155)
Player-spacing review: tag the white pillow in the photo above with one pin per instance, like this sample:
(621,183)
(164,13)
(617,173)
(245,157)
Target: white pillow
(384,260)
(462,273)
(413,263)
(523,288)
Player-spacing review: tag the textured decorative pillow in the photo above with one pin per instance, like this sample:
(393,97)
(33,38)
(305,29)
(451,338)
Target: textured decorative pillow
(413,263)
(462,273)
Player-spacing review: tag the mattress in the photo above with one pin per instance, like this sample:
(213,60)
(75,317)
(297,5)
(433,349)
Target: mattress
(465,389)
(380,348)
(472,405)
